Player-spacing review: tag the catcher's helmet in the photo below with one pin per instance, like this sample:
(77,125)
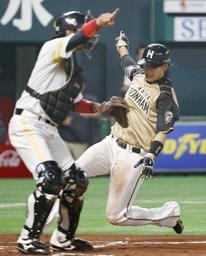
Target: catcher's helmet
(155,55)
(69,20)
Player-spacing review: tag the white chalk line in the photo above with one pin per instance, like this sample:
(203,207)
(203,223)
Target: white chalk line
(16,205)
(180,201)
(149,243)
(8,243)
(12,205)
(6,246)
(80,254)
(115,243)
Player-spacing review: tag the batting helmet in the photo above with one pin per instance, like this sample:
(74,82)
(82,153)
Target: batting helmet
(68,21)
(155,55)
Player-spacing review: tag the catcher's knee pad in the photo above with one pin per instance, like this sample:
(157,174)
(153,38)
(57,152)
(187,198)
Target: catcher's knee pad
(50,178)
(77,181)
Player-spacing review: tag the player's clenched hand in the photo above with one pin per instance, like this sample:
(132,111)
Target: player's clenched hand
(107,19)
(147,166)
(122,43)
(122,40)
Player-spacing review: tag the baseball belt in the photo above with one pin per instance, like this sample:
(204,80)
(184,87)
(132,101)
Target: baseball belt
(19,111)
(124,145)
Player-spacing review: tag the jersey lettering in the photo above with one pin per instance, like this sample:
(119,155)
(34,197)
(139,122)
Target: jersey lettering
(140,98)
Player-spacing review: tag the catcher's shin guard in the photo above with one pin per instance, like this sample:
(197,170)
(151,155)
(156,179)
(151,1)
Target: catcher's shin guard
(40,203)
(71,202)
(39,207)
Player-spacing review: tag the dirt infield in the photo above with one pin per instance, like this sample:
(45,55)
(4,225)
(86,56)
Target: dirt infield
(126,246)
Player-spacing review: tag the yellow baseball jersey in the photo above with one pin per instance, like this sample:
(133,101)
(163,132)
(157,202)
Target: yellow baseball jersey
(152,108)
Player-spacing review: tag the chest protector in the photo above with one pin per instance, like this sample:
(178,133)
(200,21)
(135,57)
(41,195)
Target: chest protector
(58,103)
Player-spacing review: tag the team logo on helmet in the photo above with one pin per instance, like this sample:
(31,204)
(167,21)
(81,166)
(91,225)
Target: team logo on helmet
(150,54)
(71,21)
(55,26)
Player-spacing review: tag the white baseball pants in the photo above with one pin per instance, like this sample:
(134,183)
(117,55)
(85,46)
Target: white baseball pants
(106,157)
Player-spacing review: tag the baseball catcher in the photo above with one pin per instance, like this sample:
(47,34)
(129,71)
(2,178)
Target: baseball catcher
(54,89)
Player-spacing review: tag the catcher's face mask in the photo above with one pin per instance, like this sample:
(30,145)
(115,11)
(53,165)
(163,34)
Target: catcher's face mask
(90,44)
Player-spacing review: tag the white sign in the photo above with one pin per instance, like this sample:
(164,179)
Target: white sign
(190,29)
(184,6)
(24,23)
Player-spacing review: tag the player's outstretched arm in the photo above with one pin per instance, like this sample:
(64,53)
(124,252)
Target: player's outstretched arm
(127,62)
(90,28)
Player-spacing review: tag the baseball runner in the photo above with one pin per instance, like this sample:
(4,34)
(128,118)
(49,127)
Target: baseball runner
(52,91)
(128,153)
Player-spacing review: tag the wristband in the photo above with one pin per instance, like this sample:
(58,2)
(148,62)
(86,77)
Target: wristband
(156,147)
(90,28)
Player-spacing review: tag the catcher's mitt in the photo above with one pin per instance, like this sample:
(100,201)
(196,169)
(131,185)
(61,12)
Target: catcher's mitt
(118,108)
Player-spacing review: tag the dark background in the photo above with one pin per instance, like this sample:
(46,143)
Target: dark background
(18,52)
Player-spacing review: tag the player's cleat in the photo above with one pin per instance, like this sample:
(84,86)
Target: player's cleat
(179,227)
(74,245)
(34,246)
